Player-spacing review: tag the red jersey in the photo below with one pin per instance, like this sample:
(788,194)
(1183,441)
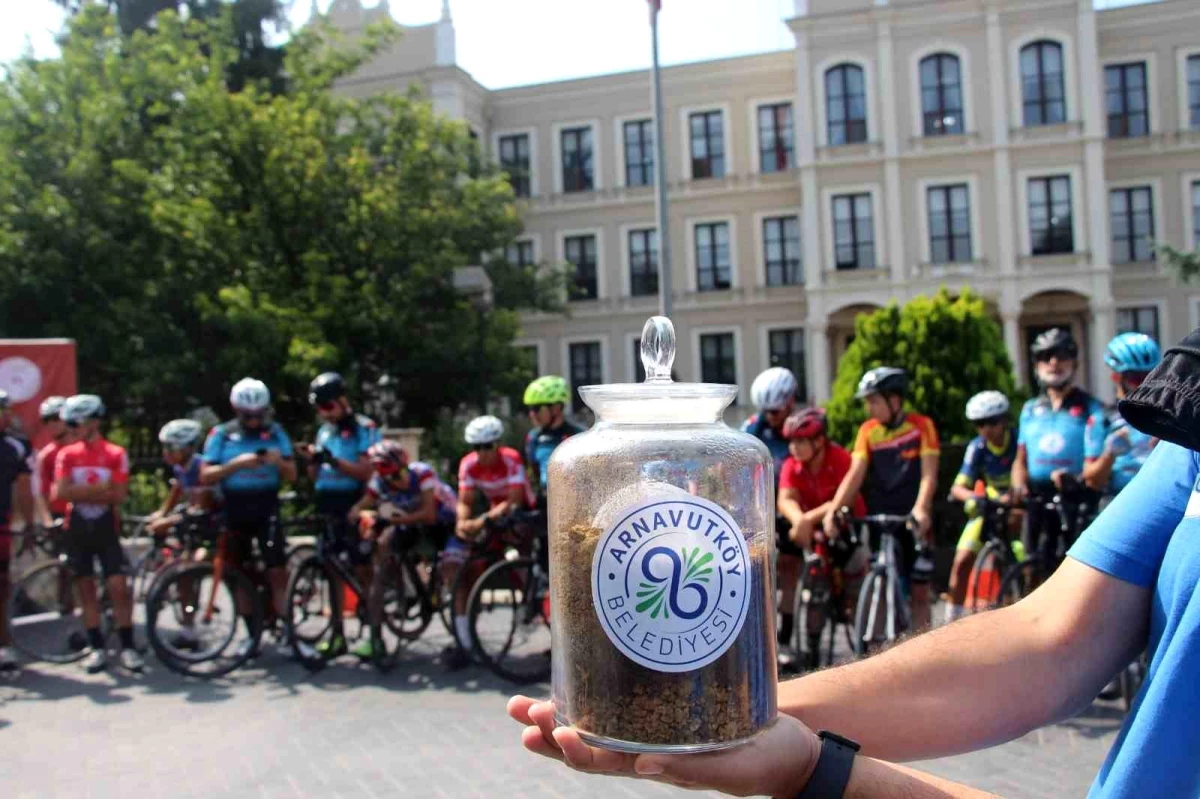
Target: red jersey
(91,462)
(43,477)
(496,480)
(817,488)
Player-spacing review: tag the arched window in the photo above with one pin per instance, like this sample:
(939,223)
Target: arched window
(1043,86)
(846,104)
(941,94)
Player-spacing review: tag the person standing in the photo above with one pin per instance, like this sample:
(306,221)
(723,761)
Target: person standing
(16,468)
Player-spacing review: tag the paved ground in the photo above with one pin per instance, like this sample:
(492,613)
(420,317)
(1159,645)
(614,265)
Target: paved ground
(274,731)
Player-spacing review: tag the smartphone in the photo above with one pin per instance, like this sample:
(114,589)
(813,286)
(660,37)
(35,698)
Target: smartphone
(262,452)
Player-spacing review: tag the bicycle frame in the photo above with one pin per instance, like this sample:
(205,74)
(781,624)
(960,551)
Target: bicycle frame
(884,563)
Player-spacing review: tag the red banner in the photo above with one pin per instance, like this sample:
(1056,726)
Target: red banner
(31,370)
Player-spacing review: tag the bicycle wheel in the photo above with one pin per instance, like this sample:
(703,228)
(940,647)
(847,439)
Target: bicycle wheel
(870,617)
(144,570)
(298,554)
(1021,579)
(45,617)
(192,621)
(986,578)
(508,617)
(313,605)
(811,613)
(407,609)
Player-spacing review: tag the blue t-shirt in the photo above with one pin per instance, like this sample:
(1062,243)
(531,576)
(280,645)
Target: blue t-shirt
(1150,536)
(188,477)
(421,478)
(229,440)
(349,442)
(1133,454)
(540,444)
(758,427)
(992,466)
(1061,439)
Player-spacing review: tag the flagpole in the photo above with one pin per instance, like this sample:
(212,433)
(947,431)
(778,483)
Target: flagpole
(660,172)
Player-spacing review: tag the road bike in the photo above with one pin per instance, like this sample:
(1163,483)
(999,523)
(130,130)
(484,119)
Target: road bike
(1058,515)
(882,614)
(826,593)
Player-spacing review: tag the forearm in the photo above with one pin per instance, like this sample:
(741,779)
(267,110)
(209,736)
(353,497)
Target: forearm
(42,511)
(287,471)
(359,470)
(929,470)
(93,494)
(789,509)
(25,504)
(872,778)
(1097,471)
(818,513)
(961,492)
(213,473)
(849,486)
(1020,473)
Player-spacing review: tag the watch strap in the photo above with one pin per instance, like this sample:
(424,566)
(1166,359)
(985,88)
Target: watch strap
(832,774)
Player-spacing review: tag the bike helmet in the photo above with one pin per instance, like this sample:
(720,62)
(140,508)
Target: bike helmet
(484,430)
(387,452)
(82,407)
(1132,352)
(547,390)
(326,387)
(806,423)
(250,395)
(773,389)
(882,380)
(986,405)
(51,407)
(1056,339)
(180,433)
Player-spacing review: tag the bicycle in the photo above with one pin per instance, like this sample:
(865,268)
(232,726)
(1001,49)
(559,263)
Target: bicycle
(882,614)
(1074,506)
(825,596)
(995,557)
(508,610)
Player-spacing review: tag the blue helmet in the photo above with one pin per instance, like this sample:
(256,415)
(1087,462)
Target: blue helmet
(1132,352)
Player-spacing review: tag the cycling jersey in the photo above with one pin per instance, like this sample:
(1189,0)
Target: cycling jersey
(817,488)
(16,459)
(1061,439)
(495,480)
(421,478)
(758,426)
(348,439)
(992,465)
(43,477)
(188,477)
(540,444)
(1127,464)
(90,463)
(230,440)
(894,457)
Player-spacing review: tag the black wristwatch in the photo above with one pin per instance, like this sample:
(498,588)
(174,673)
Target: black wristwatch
(829,779)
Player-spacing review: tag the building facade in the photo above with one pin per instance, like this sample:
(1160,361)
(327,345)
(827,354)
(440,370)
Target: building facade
(1034,150)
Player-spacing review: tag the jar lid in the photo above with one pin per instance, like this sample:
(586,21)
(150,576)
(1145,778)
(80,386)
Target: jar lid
(658,400)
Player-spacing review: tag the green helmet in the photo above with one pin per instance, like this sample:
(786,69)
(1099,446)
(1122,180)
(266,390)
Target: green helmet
(547,390)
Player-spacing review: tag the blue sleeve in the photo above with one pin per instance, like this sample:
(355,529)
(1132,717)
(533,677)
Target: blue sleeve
(369,436)
(285,443)
(1097,431)
(214,446)
(970,464)
(322,438)
(1023,424)
(1129,538)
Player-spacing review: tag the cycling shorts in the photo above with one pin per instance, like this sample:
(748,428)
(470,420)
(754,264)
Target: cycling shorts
(88,540)
(344,536)
(250,517)
(971,539)
(783,542)
(455,551)
(906,550)
(5,547)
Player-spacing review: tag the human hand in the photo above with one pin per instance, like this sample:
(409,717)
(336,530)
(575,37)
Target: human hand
(1056,477)
(1118,443)
(924,523)
(159,526)
(777,762)
(272,457)
(248,460)
(801,533)
(832,528)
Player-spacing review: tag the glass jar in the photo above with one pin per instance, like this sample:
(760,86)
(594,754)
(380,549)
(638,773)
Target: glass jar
(661,525)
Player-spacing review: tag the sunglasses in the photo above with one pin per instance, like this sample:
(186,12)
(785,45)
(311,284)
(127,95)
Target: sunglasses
(483,447)
(982,423)
(1061,355)
(326,406)
(71,423)
(251,416)
(536,408)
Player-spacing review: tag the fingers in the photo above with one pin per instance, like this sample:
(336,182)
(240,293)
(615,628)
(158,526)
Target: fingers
(582,757)
(518,708)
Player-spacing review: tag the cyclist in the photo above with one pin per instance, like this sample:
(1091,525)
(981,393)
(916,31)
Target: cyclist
(92,476)
(16,484)
(497,473)
(403,495)
(989,458)
(811,475)
(47,511)
(180,439)
(340,469)
(896,456)
(773,392)
(250,457)
(1130,356)
(1062,432)
(546,399)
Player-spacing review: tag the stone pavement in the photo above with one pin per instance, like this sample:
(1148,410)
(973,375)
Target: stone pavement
(275,731)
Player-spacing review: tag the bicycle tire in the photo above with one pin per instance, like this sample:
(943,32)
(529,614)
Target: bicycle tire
(387,588)
(1021,579)
(811,605)
(517,585)
(38,619)
(483,563)
(309,581)
(991,553)
(407,611)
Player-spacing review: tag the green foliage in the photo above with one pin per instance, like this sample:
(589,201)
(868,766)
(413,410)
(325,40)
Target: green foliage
(147,491)
(951,348)
(1186,263)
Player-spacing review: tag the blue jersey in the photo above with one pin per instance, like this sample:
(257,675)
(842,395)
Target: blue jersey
(230,440)
(188,478)
(1150,536)
(1062,439)
(758,427)
(540,444)
(983,462)
(1134,447)
(421,478)
(349,440)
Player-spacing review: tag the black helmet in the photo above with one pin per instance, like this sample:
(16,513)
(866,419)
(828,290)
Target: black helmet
(883,380)
(326,388)
(1055,339)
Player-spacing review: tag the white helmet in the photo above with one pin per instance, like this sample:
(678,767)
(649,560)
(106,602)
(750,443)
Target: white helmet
(180,433)
(484,430)
(51,407)
(82,407)
(774,389)
(986,405)
(249,394)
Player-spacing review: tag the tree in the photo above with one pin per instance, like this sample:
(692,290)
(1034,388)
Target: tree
(950,347)
(1187,264)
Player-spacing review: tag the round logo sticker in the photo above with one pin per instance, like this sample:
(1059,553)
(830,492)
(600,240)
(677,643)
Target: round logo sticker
(1052,443)
(21,378)
(671,583)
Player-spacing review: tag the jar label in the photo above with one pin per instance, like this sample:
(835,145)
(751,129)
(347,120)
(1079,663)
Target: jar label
(671,583)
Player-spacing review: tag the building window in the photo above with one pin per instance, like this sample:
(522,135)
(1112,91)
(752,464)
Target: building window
(639,153)
(846,104)
(713,269)
(1196,214)
(643,262)
(949,224)
(941,94)
(775,137)
(1193,84)
(1142,319)
(853,231)
(781,251)
(708,144)
(1131,220)
(585,368)
(718,362)
(1050,227)
(514,159)
(520,253)
(786,348)
(577,159)
(1043,87)
(1125,92)
(581,253)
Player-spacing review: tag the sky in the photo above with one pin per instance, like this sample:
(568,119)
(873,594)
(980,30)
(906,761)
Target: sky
(515,42)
